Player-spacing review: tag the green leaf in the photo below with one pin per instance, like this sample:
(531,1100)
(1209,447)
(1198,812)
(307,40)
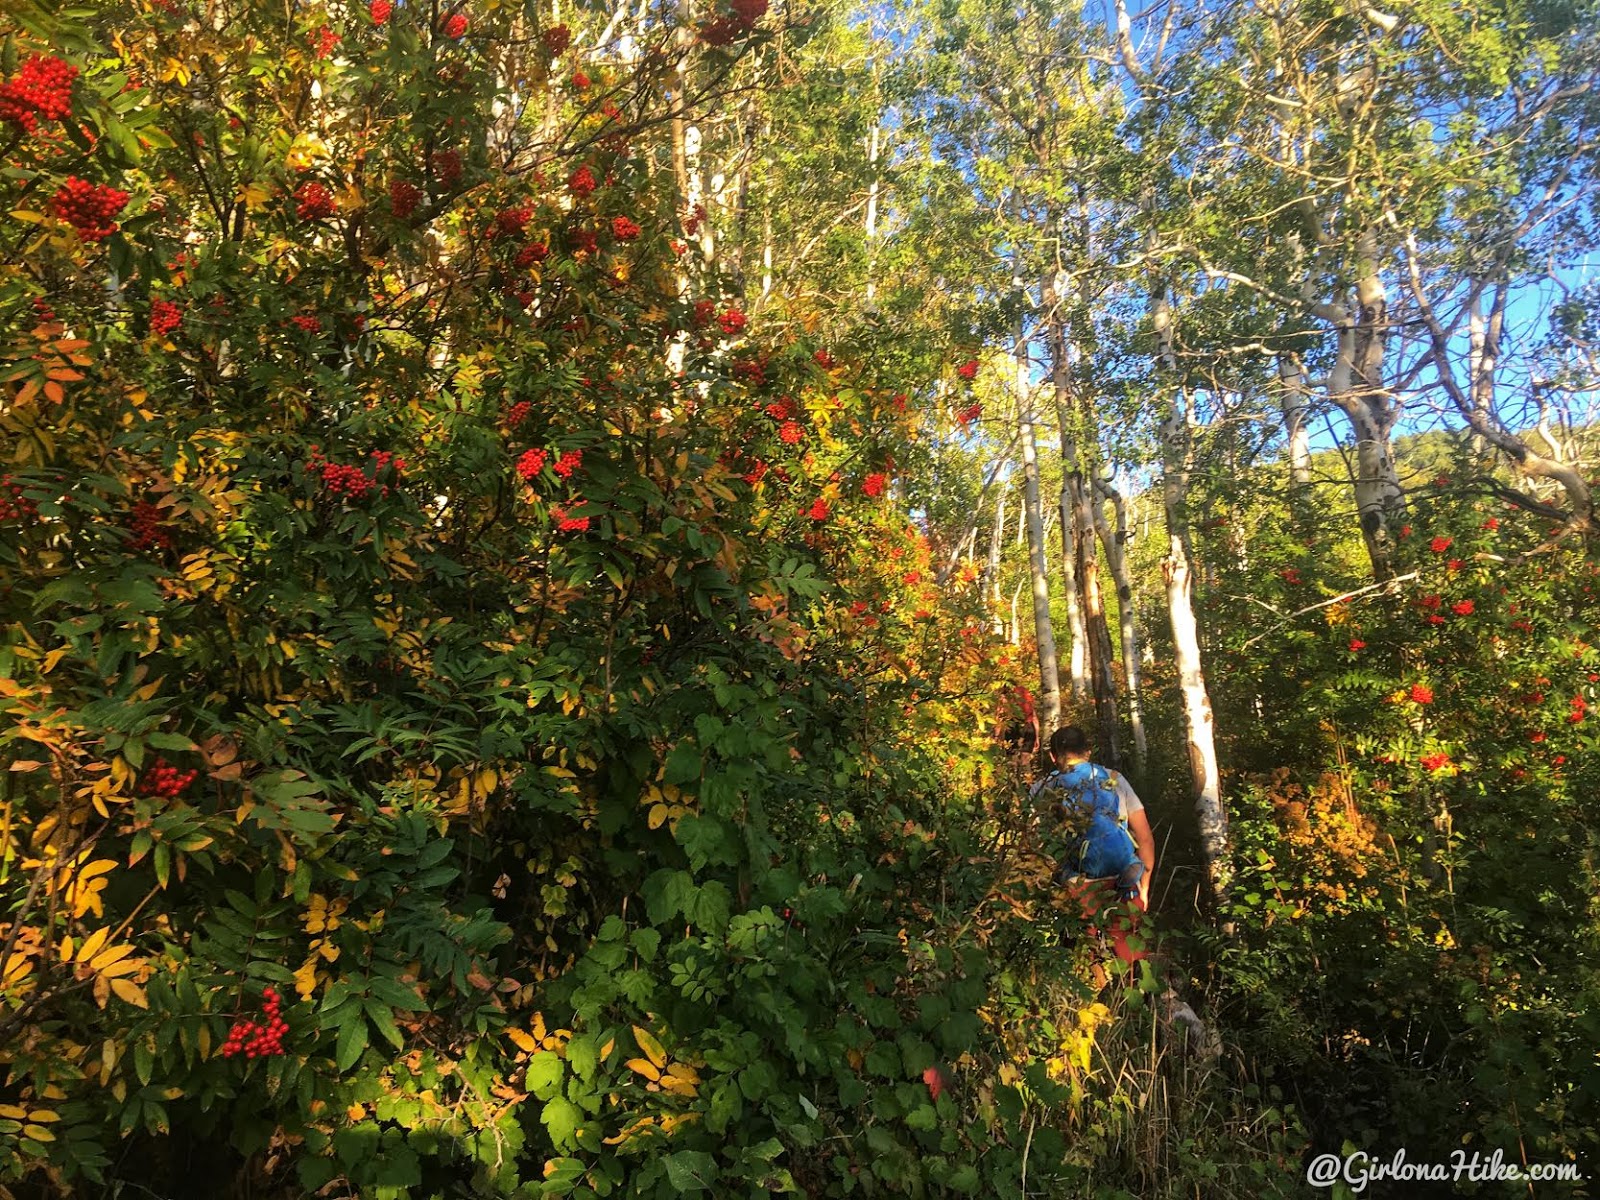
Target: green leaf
(562,1118)
(352,1041)
(545,1071)
(690,1171)
(383,1021)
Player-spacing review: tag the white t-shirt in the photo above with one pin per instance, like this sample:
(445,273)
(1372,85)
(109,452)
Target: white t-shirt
(1127,799)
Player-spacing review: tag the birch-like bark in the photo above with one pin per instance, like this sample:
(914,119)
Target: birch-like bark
(1356,385)
(1115,542)
(873,144)
(1078,655)
(1033,518)
(1296,405)
(1486,423)
(1177,574)
(991,570)
(1091,638)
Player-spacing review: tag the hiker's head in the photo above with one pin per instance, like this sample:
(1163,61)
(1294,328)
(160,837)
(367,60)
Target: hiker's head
(1068,743)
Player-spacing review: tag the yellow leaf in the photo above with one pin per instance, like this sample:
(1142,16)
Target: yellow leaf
(658,816)
(12,1112)
(131,992)
(652,1048)
(631,1131)
(305,152)
(254,195)
(92,945)
(127,967)
(643,1067)
(43,1116)
(305,979)
(38,1133)
(523,1040)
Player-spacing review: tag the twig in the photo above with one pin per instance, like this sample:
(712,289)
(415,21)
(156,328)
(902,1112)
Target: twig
(1382,585)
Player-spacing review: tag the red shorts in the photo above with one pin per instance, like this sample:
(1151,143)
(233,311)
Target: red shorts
(1094,896)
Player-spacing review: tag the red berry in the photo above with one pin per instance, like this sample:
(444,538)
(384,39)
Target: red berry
(89,207)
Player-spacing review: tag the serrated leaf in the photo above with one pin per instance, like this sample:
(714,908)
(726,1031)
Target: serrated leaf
(352,1041)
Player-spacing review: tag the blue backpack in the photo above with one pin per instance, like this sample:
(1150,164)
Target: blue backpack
(1105,847)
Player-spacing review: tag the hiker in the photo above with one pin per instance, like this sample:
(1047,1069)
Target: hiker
(1019,730)
(1111,848)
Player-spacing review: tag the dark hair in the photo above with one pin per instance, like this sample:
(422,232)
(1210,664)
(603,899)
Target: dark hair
(1069,739)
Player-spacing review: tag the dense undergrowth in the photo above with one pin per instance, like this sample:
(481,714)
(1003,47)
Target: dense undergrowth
(426,597)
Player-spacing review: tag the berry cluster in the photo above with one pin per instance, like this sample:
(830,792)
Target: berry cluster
(704,312)
(446,166)
(623,229)
(14,506)
(379,11)
(556,39)
(42,88)
(257,1041)
(580,81)
(791,433)
(581,182)
(968,369)
(511,221)
(533,252)
(966,416)
(165,780)
(569,462)
(165,316)
(404,196)
(782,409)
(313,201)
(817,512)
(823,359)
(326,41)
(741,20)
(531,463)
(583,241)
(566,523)
(752,370)
(732,322)
(146,528)
(352,482)
(518,413)
(754,474)
(306,324)
(873,484)
(89,207)
(455,25)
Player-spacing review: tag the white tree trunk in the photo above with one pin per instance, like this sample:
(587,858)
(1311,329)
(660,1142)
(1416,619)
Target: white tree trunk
(1177,574)
(991,573)
(1296,407)
(1115,542)
(1043,631)
(1356,385)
